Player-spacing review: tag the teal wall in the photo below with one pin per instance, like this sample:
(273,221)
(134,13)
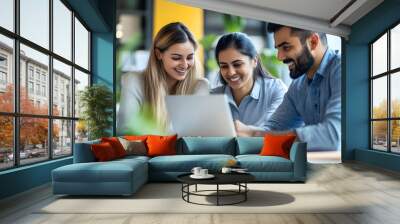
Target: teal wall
(99,15)
(24,178)
(356,100)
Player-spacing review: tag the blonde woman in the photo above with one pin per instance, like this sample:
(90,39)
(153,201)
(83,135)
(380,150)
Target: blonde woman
(171,70)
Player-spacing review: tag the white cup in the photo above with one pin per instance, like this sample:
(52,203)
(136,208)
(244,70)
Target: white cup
(196,170)
(226,170)
(203,172)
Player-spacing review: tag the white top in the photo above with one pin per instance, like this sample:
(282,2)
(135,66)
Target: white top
(132,100)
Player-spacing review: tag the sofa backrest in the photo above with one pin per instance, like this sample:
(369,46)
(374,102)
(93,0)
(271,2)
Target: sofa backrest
(249,145)
(83,153)
(206,145)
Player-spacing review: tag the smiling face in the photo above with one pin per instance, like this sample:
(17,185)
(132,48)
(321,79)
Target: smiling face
(177,60)
(236,68)
(292,52)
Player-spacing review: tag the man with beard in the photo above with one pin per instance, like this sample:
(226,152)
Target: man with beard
(311,109)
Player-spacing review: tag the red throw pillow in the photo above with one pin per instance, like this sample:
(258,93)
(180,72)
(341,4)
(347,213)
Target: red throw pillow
(116,145)
(161,145)
(277,145)
(103,151)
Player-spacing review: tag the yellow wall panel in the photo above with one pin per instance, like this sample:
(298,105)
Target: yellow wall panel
(166,12)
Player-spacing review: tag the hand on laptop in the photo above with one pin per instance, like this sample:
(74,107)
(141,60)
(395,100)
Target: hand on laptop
(243,130)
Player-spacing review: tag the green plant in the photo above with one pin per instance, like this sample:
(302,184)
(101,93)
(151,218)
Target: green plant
(96,102)
(231,24)
(271,63)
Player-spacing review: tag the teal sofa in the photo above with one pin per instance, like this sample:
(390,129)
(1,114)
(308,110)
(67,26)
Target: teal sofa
(125,176)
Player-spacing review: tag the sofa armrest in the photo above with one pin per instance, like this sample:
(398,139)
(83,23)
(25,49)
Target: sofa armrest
(298,155)
(83,152)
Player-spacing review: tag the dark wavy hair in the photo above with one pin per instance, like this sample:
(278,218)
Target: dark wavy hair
(242,43)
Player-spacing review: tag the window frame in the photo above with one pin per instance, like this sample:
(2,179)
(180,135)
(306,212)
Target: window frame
(16,115)
(388,74)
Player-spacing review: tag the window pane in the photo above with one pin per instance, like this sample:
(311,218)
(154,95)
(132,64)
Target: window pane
(395,95)
(62,29)
(81,131)
(34,97)
(33,139)
(395,138)
(81,81)
(379,55)
(7,14)
(81,45)
(62,89)
(35,21)
(379,98)
(379,135)
(62,137)
(6,74)
(6,142)
(395,47)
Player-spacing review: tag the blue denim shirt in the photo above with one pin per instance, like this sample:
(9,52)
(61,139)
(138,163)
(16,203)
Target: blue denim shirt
(256,108)
(313,108)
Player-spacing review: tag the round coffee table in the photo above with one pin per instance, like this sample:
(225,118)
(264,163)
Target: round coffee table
(238,179)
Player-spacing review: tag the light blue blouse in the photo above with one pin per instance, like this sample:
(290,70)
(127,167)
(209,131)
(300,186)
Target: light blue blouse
(256,108)
(313,108)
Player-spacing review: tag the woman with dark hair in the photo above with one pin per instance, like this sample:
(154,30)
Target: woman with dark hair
(253,95)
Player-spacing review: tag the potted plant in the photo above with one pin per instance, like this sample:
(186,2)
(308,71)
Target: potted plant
(96,102)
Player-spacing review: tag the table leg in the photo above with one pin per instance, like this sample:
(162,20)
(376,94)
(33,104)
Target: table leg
(217,194)
(245,191)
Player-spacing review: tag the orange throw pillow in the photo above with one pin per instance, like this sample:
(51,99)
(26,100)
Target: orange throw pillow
(136,137)
(103,152)
(161,145)
(277,145)
(116,145)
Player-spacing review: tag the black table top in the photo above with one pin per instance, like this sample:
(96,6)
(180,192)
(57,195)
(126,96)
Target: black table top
(220,178)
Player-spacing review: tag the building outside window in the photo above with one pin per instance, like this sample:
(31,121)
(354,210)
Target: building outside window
(3,61)
(3,72)
(385,94)
(43,90)
(30,72)
(30,87)
(3,78)
(44,77)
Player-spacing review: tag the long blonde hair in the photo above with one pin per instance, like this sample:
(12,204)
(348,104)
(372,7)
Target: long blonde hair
(155,77)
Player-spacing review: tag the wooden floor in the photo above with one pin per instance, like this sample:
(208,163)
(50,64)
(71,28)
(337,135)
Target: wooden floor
(378,188)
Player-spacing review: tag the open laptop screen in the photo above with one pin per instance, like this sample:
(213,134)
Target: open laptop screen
(206,116)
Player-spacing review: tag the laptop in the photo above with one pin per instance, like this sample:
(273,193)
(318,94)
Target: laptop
(205,115)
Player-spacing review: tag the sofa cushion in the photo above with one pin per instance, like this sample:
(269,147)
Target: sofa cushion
(185,163)
(207,145)
(249,145)
(83,152)
(257,163)
(118,171)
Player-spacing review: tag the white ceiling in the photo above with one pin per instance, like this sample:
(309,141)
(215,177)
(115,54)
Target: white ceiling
(329,16)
